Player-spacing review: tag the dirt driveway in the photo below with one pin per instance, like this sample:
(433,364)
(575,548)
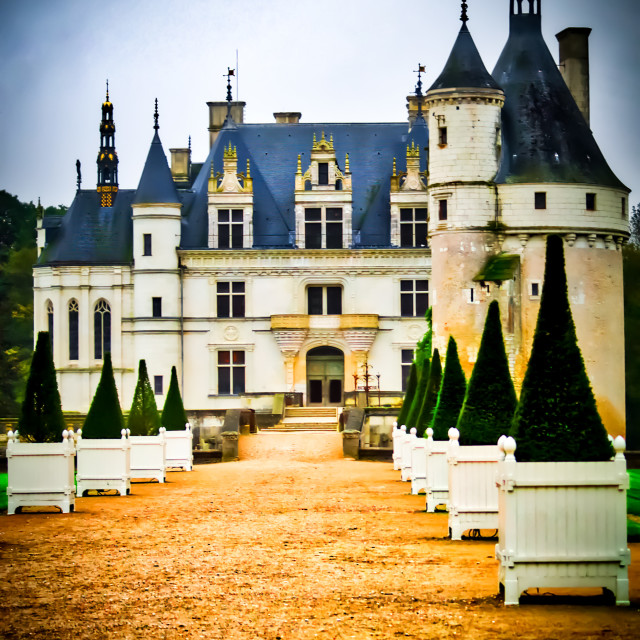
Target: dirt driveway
(291,542)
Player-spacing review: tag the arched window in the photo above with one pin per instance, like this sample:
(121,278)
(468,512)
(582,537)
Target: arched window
(101,329)
(73,329)
(50,322)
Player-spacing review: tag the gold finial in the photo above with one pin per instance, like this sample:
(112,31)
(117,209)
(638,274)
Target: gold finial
(211,175)
(248,168)
(413,151)
(314,139)
(331,141)
(346,163)
(230,152)
(299,170)
(322,140)
(394,167)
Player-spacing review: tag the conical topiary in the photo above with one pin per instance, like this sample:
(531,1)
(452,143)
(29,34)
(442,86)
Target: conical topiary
(412,383)
(41,418)
(418,396)
(557,418)
(451,396)
(431,395)
(104,419)
(174,417)
(490,400)
(143,417)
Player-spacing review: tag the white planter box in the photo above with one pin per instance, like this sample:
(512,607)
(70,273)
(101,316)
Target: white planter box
(104,464)
(563,525)
(179,449)
(40,474)
(419,466)
(149,456)
(437,472)
(407,445)
(473,494)
(397,436)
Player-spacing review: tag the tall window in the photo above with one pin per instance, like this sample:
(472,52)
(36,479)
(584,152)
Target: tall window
(414,297)
(323,173)
(146,241)
(407,359)
(540,199)
(442,209)
(323,228)
(230,228)
(50,322)
(101,329)
(73,329)
(413,227)
(157,385)
(442,136)
(590,204)
(230,299)
(324,301)
(156,307)
(230,372)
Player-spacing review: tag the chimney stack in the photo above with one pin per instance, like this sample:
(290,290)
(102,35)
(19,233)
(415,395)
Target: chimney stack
(287,117)
(574,64)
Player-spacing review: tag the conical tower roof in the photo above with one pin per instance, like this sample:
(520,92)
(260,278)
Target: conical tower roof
(545,135)
(464,68)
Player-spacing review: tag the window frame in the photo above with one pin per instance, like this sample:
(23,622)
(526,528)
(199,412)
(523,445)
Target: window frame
(102,321)
(158,386)
(411,226)
(234,299)
(322,217)
(413,298)
(73,309)
(156,307)
(231,376)
(325,301)
(443,209)
(233,238)
(146,244)
(406,360)
(540,200)
(590,201)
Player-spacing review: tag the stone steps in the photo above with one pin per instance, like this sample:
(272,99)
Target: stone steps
(308,419)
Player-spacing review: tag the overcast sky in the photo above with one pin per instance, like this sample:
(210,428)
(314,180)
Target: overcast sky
(335,61)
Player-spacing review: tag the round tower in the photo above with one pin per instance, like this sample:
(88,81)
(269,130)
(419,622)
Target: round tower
(464,106)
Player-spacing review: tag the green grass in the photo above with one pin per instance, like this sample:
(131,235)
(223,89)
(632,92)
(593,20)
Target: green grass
(633,505)
(3,491)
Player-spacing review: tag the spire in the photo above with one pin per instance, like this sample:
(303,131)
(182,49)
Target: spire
(156,184)
(228,121)
(420,71)
(107,161)
(463,16)
(79,174)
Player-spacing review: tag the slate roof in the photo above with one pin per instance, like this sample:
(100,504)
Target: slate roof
(156,184)
(545,136)
(464,68)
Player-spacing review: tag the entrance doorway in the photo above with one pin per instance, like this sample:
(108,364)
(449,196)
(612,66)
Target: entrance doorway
(325,377)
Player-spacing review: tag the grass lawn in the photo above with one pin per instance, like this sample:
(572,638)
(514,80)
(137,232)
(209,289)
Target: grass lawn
(3,491)
(633,506)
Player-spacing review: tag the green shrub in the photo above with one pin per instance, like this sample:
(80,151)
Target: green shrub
(143,417)
(490,399)
(412,383)
(557,418)
(104,419)
(430,398)
(418,396)
(174,416)
(451,396)
(41,418)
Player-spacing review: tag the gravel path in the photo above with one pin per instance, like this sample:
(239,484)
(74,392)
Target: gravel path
(291,542)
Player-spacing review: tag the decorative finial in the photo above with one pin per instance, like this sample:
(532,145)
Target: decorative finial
(156,126)
(394,167)
(79,178)
(107,100)
(346,163)
(230,72)
(420,71)
(299,169)
(189,144)
(463,16)
(248,168)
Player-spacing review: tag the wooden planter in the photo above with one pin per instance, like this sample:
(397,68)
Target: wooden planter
(562,525)
(437,472)
(419,466)
(149,456)
(473,494)
(407,445)
(40,474)
(104,464)
(397,436)
(179,449)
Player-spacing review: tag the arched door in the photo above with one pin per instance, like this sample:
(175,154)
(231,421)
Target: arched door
(325,377)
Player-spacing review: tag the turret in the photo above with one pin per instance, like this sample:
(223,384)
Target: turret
(107,157)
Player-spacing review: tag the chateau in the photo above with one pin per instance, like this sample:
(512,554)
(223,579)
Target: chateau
(298,253)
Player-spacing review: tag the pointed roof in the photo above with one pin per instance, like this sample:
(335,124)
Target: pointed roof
(545,136)
(156,183)
(464,68)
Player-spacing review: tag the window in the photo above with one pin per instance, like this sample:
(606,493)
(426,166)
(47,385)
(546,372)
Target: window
(50,322)
(414,297)
(230,372)
(146,242)
(156,307)
(230,299)
(442,209)
(324,301)
(407,359)
(623,207)
(101,329)
(413,227)
(157,385)
(323,173)
(442,136)
(540,199)
(323,228)
(73,330)
(591,202)
(230,228)
(534,291)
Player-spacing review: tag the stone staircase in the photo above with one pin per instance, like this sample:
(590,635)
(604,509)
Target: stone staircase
(308,419)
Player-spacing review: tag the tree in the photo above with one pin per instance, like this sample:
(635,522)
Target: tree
(104,419)
(412,383)
(430,398)
(557,418)
(174,416)
(41,419)
(418,396)
(634,226)
(451,396)
(143,417)
(490,399)
(631,270)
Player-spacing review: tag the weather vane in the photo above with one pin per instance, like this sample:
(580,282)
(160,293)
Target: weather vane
(420,71)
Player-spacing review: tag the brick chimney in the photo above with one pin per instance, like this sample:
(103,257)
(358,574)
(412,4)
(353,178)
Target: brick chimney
(574,64)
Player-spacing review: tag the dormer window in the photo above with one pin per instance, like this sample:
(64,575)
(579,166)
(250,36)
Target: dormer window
(323,173)
(323,228)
